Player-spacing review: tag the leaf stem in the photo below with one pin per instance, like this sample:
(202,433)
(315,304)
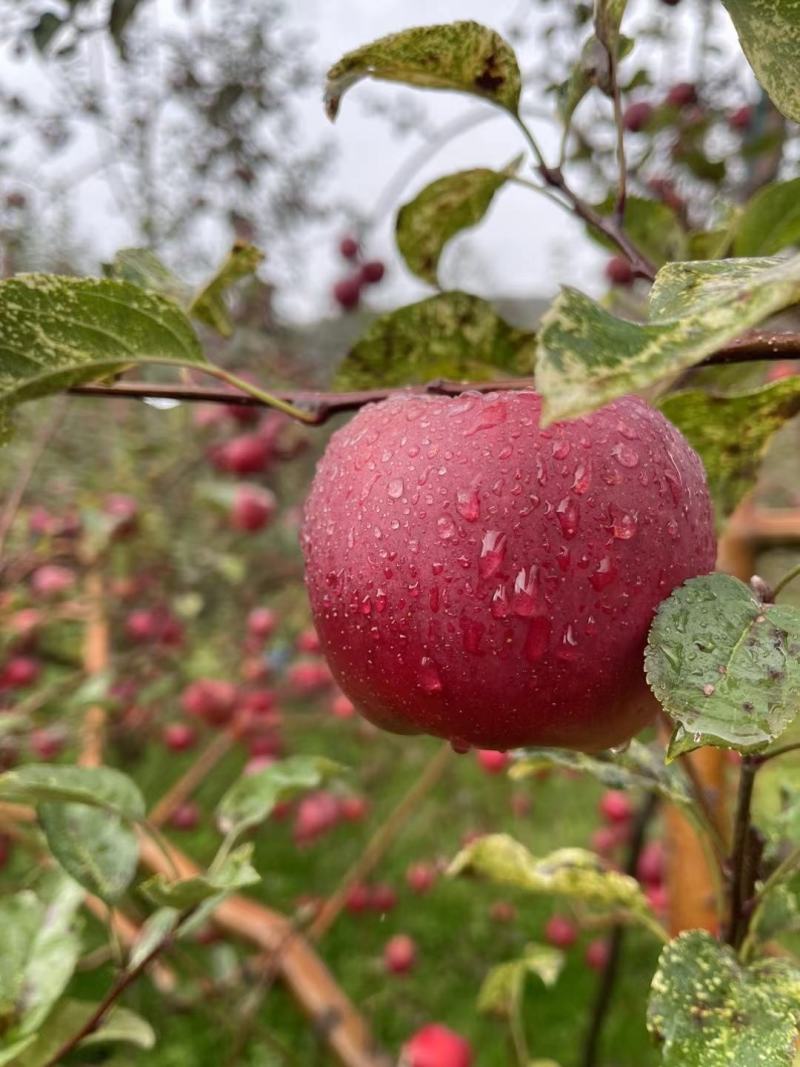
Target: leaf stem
(736,927)
(784,581)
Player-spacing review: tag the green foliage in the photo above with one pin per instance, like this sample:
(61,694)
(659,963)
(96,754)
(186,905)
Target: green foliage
(141,267)
(253,797)
(463,56)
(710,1011)
(574,873)
(586,356)
(769,32)
(234,872)
(452,335)
(56,332)
(502,989)
(443,209)
(97,847)
(652,226)
(209,304)
(725,667)
(770,220)
(607,21)
(119,1026)
(101,787)
(732,433)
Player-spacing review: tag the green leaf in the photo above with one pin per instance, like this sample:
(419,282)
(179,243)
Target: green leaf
(122,11)
(777,913)
(607,21)
(100,787)
(587,357)
(452,335)
(443,209)
(119,1025)
(769,32)
(56,332)
(154,930)
(141,267)
(97,847)
(503,986)
(45,29)
(20,916)
(209,304)
(732,433)
(724,667)
(252,798)
(651,225)
(636,767)
(463,56)
(234,873)
(709,1011)
(571,872)
(770,220)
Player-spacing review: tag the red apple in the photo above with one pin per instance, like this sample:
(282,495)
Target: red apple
(342,707)
(47,743)
(185,817)
(179,737)
(253,508)
(347,292)
(19,672)
(308,641)
(383,898)
(420,877)
(741,118)
(616,806)
(493,762)
(651,866)
(479,578)
(502,911)
(399,954)
(316,814)
(619,271)
(636,116)
(353,808)
(682,94)
(51,580)
(210,699)
(247,454)
(348,247)
(560,932)
(597,954)
(372,272)
(357,899)
(436,1046)
(262,623)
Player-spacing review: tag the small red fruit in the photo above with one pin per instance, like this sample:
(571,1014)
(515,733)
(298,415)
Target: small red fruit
(437,1046)
(650,868)
(19,672)
(52,580)
(682,94)
(597,953)
(741,118)
(502,911)
(420,877)
(308,641)
(342,707)
(316,814)
(399,954)
(560,932)
(619,271)
(616,806)
(253,508)
(262,622)
(124,510)
(210,699)
(636,116)
(383,898)
(247,454)
(658,899)
(372,272)
(357,900)
(348,246)
(179,737)
(47,743)
(185,817)
(491,761)
(308,677)
(347,292)
(607,839)
(353,808)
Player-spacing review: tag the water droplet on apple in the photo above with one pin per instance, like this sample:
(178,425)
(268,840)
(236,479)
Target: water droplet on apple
(445,527)
(523,599)
(625,455)
(567,513)
(604,574)
(625,526)
(395,488)
(429,678)
(468,504)
(493,550)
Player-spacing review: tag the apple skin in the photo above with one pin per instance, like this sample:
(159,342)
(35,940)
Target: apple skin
(476,577)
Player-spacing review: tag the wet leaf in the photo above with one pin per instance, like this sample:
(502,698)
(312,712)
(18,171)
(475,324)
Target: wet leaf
(463,56)
(732,433)
(209,304)
(97,847)
(443,209)
(769,221)
(769,32)
(100,787)
(452,335)
(652,226)
(724,667)
(709,1011)
(119,1025)
(503,986)
(236,872)
(141,267)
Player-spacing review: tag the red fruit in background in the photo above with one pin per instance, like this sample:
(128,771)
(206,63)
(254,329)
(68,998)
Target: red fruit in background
(607,839)
(51,580)
(308,677)
(560,932)
(651,866)
(179,737)
(658,899)
(47,743)
(619,271)
(493,762)
(353,808)
(514,608)
(372,272)
(664,189)
(383,898)
(185,817)
(502,911)
(682,94)
(124,510)
(347,292)
(308,641)
(520,805)
(436,1046)
(616,806)
(266,744)
(259,703)
(316,814)
(342,707)
(636,116)
(420,877)
(25,621)
(210,699)
(357,899)
(741,118)
(348,247)
(597,953)
(262,622)
(19,672)
(399,954)
(247,454)
(146,626)
(40,521)
(256,765)
(253,508)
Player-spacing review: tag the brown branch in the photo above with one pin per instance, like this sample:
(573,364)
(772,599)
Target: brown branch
(26,472)
(755,346)
(194,776)
(95,661)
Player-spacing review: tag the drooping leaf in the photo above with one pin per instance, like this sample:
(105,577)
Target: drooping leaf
(452,335)
(209,304)
(769,221)
(725,667)
(570,872)
(252,798)
(501,991)
(20,917)
(708,1010)
(607,21)
(101,787)
(769,32)
(141,267)
(153,932)
(651,225)
(732,433)
(119,1025)
(586,356)
(636,767)
(56,332)
(97,847)
(463,56)
(236,872)
(443,209)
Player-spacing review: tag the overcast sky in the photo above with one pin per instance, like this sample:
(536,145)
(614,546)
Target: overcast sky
(526,246)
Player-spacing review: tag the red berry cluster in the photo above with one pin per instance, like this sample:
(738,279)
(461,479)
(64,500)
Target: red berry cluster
(347,290)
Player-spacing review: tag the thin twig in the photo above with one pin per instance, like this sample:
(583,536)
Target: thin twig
(741,842)
(95,661)
(194,776)
(788,577)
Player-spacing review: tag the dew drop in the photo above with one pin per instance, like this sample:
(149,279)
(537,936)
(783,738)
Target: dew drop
(493,550)
(561,449)
(625,455)
(473,634)
(460,746)
(582,479)
(445,527)
(434,599)
(604,575)
(395,488)
(490,415)
(468,504)
(429,678)
(625,526)
(568,645)
(672,529)
(499,606)
(562,558)
(523,599)
(567,513)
